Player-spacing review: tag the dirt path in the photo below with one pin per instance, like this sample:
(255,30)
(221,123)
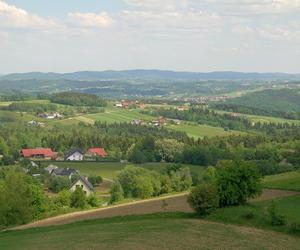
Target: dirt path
(172,203)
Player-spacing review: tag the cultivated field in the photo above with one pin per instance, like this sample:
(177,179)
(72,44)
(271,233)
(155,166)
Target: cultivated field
(286,181)
(109,169)
(158,231)
(200,131)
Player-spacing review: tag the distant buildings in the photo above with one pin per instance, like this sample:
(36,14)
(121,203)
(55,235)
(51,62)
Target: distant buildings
(42,153)
(74,155)
(52,115)
(97,152)
(36,124)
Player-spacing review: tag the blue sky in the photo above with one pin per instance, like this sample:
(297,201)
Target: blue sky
(191,35)
(62,7)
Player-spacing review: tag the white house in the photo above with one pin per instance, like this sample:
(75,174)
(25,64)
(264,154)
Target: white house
(82,182)
(74,155)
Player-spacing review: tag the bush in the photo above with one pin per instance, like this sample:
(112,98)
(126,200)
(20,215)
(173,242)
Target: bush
(237,182)
(59,183)
(92,201)
(204,199)
(276,218)
(116,193)
(295,227)
(95,180)
(78,198)
(143,187)
(63,199)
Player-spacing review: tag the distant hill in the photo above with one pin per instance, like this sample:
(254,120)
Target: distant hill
(281,102)
(149,74)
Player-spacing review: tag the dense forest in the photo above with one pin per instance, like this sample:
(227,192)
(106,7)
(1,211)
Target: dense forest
(283,103)
(78,99)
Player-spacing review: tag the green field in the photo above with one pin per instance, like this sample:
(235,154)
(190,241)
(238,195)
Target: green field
(113,115)
(286,181)
(160,231)
(263,119)
(200,131)
(110,169)
(255,214)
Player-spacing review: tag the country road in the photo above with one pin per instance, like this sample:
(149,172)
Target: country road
(171,203)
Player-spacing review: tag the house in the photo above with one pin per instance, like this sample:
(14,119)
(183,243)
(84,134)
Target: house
(74,155)
(183,108)
(50,168)
(83,183)
(98,152)
(64,172)
(36,124)
(44,153)
(53,115)
(136,122)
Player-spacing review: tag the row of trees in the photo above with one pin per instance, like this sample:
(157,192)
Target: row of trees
(134,182)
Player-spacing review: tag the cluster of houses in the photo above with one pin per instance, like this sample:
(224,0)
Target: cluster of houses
(50,116)
(158,122)
(126,104)
(71,155)
(36,124)
(81,181)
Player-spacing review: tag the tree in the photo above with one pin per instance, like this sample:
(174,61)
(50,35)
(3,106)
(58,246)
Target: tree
(116,193)
(63,199)
(21,198)
(204,198)
(95,180)
(59,183)
(167,149)
(143,187)
(78,198)
(237,182)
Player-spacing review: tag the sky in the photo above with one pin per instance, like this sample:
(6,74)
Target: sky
(184,35)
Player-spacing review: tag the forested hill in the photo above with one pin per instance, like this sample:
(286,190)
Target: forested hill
(281,103)
(150,74)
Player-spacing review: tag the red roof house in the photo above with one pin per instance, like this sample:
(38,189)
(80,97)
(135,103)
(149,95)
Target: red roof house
(45,153)
(97,152)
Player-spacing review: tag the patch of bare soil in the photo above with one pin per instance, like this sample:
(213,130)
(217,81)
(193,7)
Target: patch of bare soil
(269,194)
(175,203)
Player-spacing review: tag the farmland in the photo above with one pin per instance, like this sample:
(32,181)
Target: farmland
(200,131)
(158,231)
(286,181)
(109,169)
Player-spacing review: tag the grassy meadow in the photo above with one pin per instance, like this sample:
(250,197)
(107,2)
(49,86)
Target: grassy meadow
(109,169)
(285,181)
(158,231)
(255,214)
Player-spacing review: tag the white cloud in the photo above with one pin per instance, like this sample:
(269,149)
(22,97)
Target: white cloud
(89,20)
(13,17)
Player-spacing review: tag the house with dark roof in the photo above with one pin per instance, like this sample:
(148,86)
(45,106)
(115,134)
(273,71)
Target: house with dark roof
(64,172)
(82,182)
(97,152)
(43,153)
(74,155)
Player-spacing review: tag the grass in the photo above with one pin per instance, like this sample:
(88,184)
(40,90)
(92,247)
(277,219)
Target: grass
(263,119)
(285,181)
(109,169)
(255,214)
(158,231)
(200,131)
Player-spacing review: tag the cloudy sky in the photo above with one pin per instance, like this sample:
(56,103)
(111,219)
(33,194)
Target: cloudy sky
(191,35)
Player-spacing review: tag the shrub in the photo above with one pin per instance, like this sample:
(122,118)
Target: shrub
(204,199)
(276,218)
(295,227)
(63,199)
(92,201)
(59,183)
(78,198)
(95,180)
(143,187)
(116,193)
